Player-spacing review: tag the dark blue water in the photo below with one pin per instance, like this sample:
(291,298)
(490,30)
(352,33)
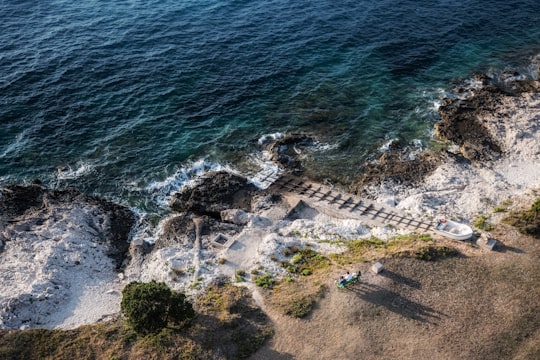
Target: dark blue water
(127,96)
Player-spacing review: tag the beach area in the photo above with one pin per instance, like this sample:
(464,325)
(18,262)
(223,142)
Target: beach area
(60,272)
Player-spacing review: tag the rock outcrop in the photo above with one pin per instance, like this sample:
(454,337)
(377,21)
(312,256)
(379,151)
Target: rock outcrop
(23,208)
(57,246)
(286,151)
(215,192)
(465,118)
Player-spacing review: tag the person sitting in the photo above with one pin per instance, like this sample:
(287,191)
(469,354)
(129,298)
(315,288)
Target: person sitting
(342,281)
(348,276)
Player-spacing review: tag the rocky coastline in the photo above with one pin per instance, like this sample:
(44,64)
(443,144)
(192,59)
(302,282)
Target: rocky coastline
(61,250)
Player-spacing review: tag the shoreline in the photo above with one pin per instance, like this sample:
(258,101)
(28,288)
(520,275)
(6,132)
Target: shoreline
(459,187)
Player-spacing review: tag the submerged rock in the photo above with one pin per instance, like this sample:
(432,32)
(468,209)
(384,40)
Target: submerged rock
(286,150)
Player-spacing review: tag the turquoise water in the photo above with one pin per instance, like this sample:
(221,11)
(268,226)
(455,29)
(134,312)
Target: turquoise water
(128,97)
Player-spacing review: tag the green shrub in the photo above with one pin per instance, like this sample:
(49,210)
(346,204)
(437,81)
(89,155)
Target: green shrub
(297,258)
(150,307)
(306,272)
(266,281)
(527,221)
(239,276)
(481,222)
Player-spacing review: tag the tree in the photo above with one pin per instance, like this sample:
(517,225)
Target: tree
(150,307)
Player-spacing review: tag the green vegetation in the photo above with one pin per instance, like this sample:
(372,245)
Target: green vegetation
(357,249)
(240,275)
(150,307)
(305,262)
(266,281)
(290,250)
(526,221)
(419,246)
(229,326)
(481,222)
(503,207)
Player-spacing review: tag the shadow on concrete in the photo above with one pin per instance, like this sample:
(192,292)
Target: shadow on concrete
(396,303)
(400,279)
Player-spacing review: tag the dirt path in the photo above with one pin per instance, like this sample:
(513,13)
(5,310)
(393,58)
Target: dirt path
(482,305)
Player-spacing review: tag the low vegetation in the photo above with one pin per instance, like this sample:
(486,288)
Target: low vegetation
(411,245)
(481,222)
(151,307)
(526,221)
(227,325)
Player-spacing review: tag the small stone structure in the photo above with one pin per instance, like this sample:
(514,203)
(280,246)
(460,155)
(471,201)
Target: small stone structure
(222,241)
(491,243)
(377,267)
(487,242)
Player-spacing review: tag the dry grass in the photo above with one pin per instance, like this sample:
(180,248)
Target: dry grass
(479,305)
(309,271)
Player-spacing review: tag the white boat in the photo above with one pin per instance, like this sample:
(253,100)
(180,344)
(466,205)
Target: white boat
(453,230)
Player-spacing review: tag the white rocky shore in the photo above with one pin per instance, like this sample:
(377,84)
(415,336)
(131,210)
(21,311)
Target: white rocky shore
(55,271)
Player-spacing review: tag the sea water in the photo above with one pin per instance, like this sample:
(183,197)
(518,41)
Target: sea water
(131,99)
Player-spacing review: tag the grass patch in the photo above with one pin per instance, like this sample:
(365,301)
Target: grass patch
(419,246)
(266,281)
(240,276)
(356,250)
(526,221)
(305,262)
(290,250)
(481,222)
(503,207)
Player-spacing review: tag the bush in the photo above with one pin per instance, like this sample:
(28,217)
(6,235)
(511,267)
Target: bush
(481,222)
(266,281)
(150,307)
(240,275)
(526,221)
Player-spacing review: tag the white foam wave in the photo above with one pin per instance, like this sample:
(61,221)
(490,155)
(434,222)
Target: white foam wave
(143,231)
(386,146)
(268,137)
(325,147)
(69,173)
(185,176)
